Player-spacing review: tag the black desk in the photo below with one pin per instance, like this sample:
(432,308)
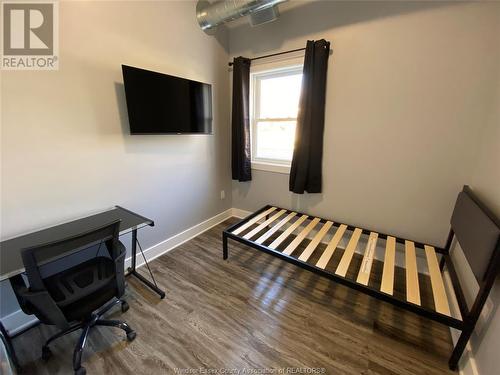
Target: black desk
(11,264)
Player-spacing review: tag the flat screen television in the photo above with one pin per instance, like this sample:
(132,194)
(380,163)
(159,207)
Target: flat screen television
(162,104)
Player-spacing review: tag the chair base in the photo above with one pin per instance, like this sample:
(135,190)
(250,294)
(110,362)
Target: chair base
(86,325)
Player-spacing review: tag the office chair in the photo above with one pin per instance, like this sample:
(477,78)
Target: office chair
(77,297)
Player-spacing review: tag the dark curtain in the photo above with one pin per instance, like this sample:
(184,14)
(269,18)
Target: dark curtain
(305,172)
(241,153)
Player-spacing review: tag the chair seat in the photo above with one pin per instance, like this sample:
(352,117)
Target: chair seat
(81,289)
(83,308)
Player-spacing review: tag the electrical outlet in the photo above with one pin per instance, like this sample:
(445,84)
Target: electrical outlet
(222,194)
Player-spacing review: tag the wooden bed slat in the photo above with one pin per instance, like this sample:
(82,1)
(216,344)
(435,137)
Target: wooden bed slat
(271,231)
(315,241)
(253,220)
(412,288)
(330,249)
(300,237)
(387,285)
(366,264)
(287,232)
(438,291)
(256,230)
(348,253)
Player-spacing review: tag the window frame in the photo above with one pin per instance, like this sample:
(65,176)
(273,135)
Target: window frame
(265,164)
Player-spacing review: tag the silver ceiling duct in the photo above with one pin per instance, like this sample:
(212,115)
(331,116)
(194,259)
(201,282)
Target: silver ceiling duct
(210,15)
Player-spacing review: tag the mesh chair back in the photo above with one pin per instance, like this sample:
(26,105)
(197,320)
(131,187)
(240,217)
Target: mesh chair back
(36,256)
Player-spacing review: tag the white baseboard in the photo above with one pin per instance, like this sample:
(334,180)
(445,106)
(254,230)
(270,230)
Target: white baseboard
(239,213)
(178,239)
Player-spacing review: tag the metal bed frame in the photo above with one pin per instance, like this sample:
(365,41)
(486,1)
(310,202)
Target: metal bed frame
(476,228)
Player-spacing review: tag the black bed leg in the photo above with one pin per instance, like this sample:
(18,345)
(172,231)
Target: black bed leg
(458,350)
(224,246)
(473,316)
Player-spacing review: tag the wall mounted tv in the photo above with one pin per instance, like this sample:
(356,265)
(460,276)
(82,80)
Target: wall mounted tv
(161,104)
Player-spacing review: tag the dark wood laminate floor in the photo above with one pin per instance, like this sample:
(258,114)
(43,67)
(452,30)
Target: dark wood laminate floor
(253,311)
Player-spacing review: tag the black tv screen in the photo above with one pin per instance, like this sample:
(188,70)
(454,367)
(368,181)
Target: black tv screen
(162,104)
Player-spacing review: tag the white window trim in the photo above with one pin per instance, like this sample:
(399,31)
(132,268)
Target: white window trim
(269,165)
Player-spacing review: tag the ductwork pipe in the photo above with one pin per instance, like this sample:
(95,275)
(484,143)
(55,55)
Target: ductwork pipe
(211,15)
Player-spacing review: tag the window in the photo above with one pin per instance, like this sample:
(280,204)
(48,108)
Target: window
(274,106)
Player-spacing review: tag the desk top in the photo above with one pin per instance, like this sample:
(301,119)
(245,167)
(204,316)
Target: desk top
(11,263)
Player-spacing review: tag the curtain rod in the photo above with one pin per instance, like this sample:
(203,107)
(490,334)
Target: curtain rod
(274,54)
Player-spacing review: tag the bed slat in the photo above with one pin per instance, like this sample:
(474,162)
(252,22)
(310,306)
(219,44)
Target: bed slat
(330,249)
(300,237)
(256,230)
(315,241)
(366,264)
(387,285)
(438,291)
(348,253)
(412,288)
(287,232)
(253,220)
(271,231)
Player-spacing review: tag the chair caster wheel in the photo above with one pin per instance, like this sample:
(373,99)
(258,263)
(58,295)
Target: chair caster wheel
(125,306)
(80,371)
(131,336)
(46,353)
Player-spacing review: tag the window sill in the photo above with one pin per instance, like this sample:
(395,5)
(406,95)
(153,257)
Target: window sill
(270,167)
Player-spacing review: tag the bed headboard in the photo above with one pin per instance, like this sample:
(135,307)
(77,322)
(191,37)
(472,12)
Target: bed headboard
(477,231)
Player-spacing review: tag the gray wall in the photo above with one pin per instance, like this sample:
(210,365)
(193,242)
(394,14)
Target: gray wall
(66,151)
(409,85)
(486,182)
(412,114)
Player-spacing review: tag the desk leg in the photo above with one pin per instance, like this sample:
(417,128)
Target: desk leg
(132,270)
(134,248)
(9,347)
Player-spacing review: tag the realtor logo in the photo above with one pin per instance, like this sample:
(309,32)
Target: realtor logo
(30,35)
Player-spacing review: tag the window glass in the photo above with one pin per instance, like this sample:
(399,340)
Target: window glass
(275,103)
(275,140)
(279,96)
